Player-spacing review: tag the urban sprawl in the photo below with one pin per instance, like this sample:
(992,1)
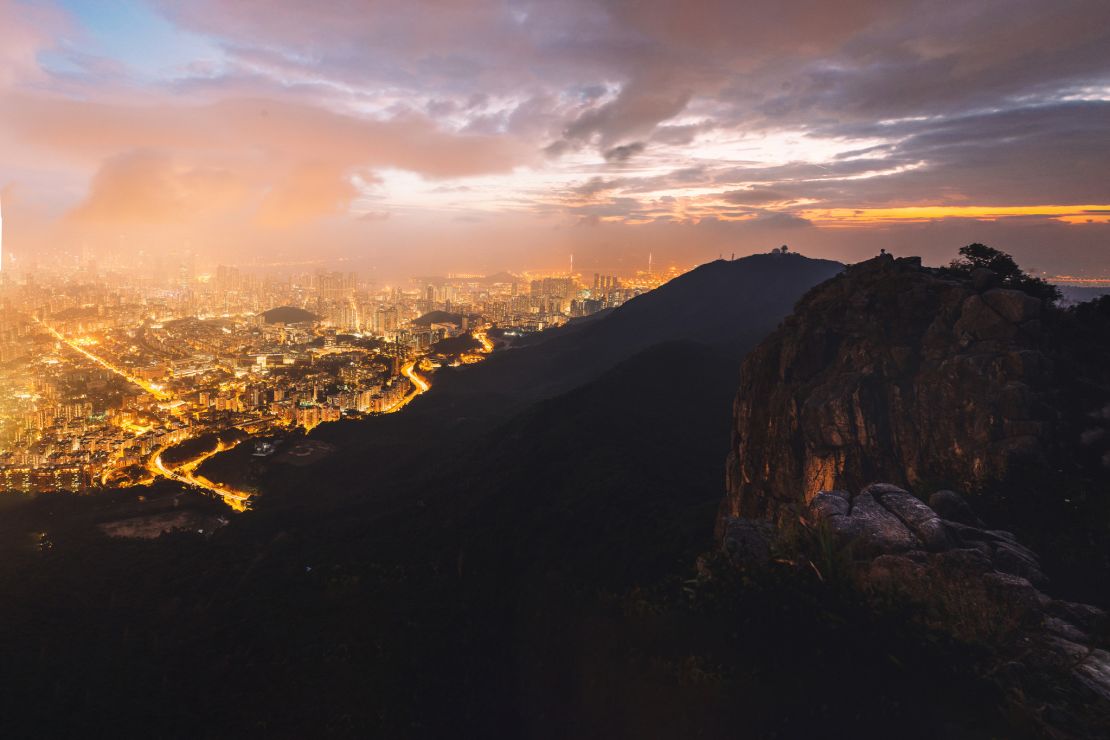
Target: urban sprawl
(104,370)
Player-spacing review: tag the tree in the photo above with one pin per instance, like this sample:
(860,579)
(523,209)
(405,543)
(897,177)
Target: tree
(980,256)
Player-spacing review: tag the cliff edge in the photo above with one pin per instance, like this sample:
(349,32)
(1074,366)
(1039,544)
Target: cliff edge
(914,376)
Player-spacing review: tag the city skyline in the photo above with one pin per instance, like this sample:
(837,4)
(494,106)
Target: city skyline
(487,136)
(119,375)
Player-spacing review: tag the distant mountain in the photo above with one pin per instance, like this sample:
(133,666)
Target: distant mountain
(288,315)
(1080,293)
(726,304)
(501,277)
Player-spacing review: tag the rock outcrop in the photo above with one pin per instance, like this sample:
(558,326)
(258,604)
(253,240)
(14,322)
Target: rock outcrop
(886,520)
(895,372)
(931,381)
(977,585)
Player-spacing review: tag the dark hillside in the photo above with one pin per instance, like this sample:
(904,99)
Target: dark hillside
(533,581)
(288,315)
(532,573)
(730,304)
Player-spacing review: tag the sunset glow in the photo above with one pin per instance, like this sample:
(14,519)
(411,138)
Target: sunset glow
(852,217)
(487,135)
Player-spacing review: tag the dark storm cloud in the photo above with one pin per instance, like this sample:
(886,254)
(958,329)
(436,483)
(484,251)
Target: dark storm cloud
(1048,154)
(635,112)
(611,72)
(1033,155)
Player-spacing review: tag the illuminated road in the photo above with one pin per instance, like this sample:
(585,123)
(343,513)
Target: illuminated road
(235,499)
(487,345)
(238,500)
(420,385)
(409,371)
(150,388)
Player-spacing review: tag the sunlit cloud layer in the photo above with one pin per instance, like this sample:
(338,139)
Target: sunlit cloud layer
(435,134)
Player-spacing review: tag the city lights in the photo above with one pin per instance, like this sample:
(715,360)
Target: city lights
(108,369)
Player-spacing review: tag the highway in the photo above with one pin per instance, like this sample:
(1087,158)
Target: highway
(487,345)
(150,388)
(237,500)
(409,371)
(185,474)
(420,385)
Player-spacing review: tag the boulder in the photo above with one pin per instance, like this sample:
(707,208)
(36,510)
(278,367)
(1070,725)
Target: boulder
(1013,305)
(950,505)
(885,519)
(983,279)
(980,586)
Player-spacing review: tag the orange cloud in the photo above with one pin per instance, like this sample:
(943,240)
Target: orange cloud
(910,214)
(149,187)
(308,191)
(264,128)
(285,162)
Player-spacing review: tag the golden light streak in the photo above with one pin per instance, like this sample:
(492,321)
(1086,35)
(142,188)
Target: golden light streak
(420,385)
(863,216)
(237,500)
(409,371)
(151,388)
(1095,282)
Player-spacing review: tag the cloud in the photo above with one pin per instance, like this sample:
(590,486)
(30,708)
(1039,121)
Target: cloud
(756,195)
(776,220)
(635,112)
(305,193)
(375,216)
(165,162)
(25,31)
(148,187)
(595,186)
(256,127)
(714,113)
(624,152)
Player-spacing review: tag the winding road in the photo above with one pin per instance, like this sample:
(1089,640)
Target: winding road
(184,474)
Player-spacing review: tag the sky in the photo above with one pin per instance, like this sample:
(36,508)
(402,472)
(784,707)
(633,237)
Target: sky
(432,136)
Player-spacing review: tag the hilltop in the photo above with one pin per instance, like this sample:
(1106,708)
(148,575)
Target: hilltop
(288,315)
(729,304)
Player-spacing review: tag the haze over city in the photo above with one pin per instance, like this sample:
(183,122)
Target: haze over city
(478,136)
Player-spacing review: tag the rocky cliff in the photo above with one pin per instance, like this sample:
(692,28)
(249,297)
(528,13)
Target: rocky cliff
(892,380)
(894,372)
